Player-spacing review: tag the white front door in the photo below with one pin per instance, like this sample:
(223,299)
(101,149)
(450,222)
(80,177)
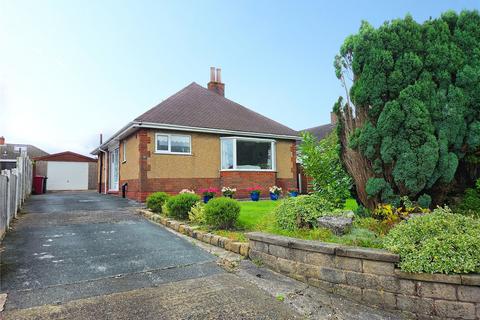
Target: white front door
(113,170)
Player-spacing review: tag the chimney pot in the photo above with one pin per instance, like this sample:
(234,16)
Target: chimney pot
(2,140)
(212,74)
(215,83)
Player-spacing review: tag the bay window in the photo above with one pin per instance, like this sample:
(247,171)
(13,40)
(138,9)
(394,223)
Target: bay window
(247,154)
(173,143)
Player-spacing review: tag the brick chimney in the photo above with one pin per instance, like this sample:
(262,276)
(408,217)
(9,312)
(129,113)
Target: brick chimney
(333,118)
(215,83)
(2,140)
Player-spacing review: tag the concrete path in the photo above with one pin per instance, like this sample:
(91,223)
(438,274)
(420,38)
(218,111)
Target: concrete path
(88,256)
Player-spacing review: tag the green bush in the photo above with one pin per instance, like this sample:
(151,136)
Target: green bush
(179,206)
(470,204)
(440,242)
(156,200)
(222,213)
(197,213)
(424,201)
(301,211)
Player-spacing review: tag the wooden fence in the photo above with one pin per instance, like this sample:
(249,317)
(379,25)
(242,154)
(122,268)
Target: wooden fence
(15,187)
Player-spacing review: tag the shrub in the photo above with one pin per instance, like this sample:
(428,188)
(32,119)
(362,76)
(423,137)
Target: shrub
(424,201)
(440,242)
(197,213)
(222,213)
(301,211)
(179,205)
(470,204)
(156,200)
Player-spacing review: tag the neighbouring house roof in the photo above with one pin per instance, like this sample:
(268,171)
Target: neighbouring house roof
(66,156)
(195,108)
(322,131)
(11,151)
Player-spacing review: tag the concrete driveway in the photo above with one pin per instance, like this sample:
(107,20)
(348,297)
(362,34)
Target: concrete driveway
(89,256)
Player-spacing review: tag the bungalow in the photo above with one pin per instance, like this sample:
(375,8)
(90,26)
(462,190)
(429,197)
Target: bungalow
(197,139)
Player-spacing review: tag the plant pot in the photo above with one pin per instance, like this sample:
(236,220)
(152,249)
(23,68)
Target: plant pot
(293,193)
(207,198)
(273,196)
(255,196)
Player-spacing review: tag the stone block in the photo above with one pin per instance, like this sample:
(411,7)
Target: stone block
(244,247)
(181,228)
(427,277)
(367,253)
(221,242)
(234,247)
(415,304)
(351,292)
(278,251)
(471,279)
(373,281)
(197,234)
(308,270)
(437,290)
(332,275)
(382,299)
(214,240)
(378,267)
(266,259)
(259,246)
(339,225)
(347,263)
(163,220)
(297,255)
(407,287)
(469,293)
(455,309)
(325,285)
(206,237)
(286,266)
(320,259)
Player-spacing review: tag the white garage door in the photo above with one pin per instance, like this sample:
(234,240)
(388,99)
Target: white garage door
(67,175)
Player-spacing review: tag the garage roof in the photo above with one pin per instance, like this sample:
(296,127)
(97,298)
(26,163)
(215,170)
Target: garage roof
(66,156)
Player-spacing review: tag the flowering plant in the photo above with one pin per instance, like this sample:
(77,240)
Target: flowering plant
(187,191)
(275,190)
(227,191)
(256,189)
(208,192)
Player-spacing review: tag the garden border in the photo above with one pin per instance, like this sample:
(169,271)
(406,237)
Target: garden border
(369,276)
(241,248)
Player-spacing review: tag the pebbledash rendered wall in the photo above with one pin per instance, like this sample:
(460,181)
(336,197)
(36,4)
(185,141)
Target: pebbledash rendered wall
(369,276)
(146,171)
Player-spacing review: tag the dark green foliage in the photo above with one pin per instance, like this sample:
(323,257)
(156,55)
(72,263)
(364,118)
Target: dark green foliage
(222,213)
(178,206)
(470,203)
(416,97)
(156,200)
(440,242)
(424,201)
(321,161)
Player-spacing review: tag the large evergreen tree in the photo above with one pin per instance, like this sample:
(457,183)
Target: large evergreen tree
(410,123)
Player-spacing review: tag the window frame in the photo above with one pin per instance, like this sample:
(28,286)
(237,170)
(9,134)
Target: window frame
(235,139)
(124,151)
(169,143)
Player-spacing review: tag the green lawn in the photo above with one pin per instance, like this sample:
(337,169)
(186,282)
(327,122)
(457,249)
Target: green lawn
(259,216)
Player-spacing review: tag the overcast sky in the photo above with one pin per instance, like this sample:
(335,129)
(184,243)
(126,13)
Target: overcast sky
(72,69)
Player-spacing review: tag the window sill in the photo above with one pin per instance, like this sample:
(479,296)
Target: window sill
(249,170)
(174,153)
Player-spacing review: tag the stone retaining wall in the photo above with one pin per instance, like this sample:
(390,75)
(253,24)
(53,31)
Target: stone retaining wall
(369,276)
(241,248)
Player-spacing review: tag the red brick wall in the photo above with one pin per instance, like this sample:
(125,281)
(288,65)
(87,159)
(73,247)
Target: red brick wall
(242,180)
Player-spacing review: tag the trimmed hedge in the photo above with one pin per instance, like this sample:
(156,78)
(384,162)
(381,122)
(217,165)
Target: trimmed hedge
(156,200)
(439,242)
(222,213)
(179,206)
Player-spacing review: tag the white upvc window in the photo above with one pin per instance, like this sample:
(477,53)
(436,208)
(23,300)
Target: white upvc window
(173,143)
(124,151)
(247,154)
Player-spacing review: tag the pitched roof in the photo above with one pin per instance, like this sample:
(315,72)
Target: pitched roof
(322,131)
(196,106)
(66,156)
(10,151)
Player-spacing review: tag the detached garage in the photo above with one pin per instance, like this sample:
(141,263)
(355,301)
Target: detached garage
(67,171)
